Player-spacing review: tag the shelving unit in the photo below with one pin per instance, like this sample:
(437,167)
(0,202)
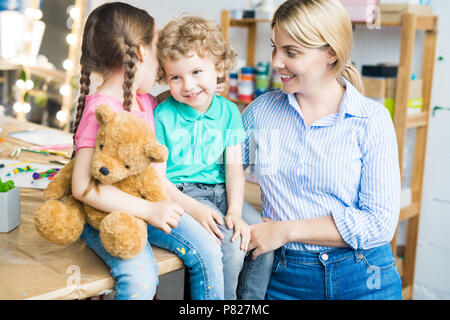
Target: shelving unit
(409,25)
(250,24)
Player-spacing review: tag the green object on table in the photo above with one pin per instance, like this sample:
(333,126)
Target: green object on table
(6,186)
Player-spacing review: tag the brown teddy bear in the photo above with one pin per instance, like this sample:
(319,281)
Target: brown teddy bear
(125,148)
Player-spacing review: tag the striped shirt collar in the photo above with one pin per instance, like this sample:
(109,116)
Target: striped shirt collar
(352,104)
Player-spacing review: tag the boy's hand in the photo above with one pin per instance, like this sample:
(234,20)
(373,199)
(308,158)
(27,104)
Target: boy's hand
(240,228)
(164,215)
(208,218)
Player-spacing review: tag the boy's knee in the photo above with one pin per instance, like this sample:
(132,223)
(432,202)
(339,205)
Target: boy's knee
(250,215)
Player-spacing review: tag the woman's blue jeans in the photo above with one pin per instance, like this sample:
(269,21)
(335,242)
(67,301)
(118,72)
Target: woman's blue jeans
(337,274)
(137,278)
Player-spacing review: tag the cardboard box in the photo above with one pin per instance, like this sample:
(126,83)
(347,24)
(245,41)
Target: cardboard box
(360,10)
(381,88)
(374,87)
(415,89)
(392,12)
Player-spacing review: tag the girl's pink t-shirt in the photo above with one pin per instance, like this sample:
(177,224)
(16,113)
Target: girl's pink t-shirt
(88,128)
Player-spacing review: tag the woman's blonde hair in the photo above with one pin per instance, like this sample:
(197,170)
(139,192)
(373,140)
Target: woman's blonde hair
(321,24)
(192,33)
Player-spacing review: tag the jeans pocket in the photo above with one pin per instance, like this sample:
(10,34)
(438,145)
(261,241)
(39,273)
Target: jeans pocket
(379,260)
(278,263)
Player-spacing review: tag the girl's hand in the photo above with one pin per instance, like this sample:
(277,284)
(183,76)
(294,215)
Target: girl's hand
(208,218)
(267,236)
(240,228)
(164,215)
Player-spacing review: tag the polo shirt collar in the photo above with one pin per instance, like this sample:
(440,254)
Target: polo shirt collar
(190,114)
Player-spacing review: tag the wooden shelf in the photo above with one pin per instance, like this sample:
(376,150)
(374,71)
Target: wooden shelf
(246,22)
(417,120)
(423,23)
(409,212)
(241,102)
(38,71)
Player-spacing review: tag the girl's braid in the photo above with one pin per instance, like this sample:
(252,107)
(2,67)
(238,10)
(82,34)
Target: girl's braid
(85,82)
(130,59)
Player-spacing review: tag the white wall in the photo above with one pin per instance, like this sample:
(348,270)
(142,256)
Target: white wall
(432,279)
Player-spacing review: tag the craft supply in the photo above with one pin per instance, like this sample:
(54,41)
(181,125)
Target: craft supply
(53,147)
(17,163)
(23,176)
(246,86)
(35,151)
(45,174)
(57,162)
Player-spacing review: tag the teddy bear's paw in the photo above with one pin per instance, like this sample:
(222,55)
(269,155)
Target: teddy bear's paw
(55,191)
(94,217)
(123,235)
(60,222)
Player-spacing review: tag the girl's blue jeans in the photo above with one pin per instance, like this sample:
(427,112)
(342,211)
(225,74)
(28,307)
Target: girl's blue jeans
(337,274)
(137,278)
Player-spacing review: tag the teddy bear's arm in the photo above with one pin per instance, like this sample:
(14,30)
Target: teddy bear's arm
(61,183)
(149,186)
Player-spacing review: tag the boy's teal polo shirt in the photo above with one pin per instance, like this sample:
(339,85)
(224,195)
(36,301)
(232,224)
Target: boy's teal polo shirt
(197,141)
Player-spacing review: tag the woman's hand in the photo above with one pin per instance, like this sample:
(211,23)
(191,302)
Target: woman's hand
(164,215)
(241,228)
(208,218)
(267,236)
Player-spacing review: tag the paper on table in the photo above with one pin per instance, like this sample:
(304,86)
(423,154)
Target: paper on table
(25,179)
(43,137)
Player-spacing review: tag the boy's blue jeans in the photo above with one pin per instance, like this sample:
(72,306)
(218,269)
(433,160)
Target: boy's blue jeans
(337,274)
(243,278)
(137,278)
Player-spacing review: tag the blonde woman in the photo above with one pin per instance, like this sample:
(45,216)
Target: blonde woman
(327,163)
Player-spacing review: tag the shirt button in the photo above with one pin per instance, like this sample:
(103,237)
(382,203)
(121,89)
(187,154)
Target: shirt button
(324,257)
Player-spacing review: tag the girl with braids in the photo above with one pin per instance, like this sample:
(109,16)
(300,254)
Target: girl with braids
(330,185)
(119,43)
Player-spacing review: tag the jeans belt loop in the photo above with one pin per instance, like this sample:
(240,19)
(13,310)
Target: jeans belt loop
(358,254)
(283,256)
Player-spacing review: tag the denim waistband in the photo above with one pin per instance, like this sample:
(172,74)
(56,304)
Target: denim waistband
(330,255)
(201,185)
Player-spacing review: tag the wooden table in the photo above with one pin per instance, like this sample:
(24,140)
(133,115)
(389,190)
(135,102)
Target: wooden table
(31,268)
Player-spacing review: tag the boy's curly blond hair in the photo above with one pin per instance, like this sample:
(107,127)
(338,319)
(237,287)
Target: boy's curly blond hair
(192,33)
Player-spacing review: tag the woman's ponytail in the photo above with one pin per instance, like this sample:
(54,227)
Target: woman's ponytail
(352,75)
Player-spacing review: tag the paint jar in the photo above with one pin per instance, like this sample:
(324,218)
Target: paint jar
(246,86)
(262,78)
(233,86)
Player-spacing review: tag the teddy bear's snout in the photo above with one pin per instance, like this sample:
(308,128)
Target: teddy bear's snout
(104,171)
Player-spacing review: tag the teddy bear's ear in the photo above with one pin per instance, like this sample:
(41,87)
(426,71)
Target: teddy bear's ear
(156,152)
(103,113)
